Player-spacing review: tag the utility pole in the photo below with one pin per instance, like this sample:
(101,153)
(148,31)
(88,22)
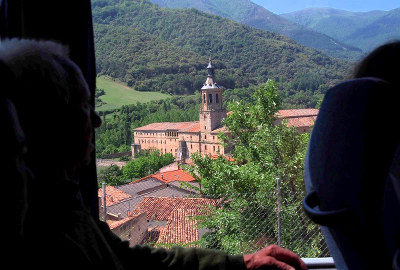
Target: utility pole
(278,184)
(104,202)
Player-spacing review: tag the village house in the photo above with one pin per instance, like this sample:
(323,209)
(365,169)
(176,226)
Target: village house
(155,218)
(171,220)
(121,200)
(130,215)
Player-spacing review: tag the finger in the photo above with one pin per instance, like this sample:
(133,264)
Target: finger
(282,254)
(279,264)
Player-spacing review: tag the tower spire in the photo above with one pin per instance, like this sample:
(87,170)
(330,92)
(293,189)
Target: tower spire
(211,111)
(210,69)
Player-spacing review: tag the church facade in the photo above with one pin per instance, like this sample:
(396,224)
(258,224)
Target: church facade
(182,139)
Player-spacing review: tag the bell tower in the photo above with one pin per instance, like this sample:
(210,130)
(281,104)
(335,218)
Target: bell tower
(211,110)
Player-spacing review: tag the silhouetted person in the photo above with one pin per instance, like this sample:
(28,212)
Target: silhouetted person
(52,101)
(381,63)
(349,159)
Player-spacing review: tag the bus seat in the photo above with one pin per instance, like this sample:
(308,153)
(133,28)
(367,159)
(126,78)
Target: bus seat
(349,156)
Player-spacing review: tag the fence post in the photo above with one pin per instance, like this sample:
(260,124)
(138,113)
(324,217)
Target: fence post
(278,186)
(104,202)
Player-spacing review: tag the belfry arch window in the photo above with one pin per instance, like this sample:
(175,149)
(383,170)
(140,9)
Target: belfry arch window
(210,98)
(204,98)
(216,98)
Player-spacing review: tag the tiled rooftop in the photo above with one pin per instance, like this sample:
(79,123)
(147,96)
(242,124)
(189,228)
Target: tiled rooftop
(115,224)
(179,126)
(297,113)
(178,213)
(170,176)
(301,121)
(220,129)
(137,187)
(226,157)
(158,208)
(171,189)
(113,195)
(181,228)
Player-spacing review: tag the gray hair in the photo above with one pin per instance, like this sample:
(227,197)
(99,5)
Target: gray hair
(44,89)
(39,65)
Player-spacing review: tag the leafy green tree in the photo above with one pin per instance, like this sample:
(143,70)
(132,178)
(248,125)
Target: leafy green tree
(263,151)
(111,175)
(146,164)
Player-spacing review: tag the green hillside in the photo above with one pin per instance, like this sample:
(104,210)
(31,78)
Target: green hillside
(164,50)
(365,30)
(118,94)
(251,14)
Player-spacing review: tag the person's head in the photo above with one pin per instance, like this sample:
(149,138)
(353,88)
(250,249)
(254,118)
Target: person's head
(382,63)
(52,100)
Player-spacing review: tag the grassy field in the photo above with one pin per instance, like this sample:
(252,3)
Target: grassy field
(118,94)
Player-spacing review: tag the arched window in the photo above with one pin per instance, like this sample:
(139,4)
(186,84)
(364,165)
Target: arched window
(216,98)
(210,98)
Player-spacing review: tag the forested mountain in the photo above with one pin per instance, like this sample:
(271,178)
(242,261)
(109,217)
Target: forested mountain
(365,30)
(158,49)
(249,13)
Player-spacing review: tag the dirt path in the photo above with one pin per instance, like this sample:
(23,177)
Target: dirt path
(108,162)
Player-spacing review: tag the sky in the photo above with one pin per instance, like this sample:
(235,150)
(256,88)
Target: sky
(285,6)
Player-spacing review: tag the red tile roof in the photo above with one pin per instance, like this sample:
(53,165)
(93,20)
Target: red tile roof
(301,121)
(169,176)
(118,223)
(181,228)
(223,129)
(193,126)
(160,208)
(153,234)
(297,113)
(298,118)
(113,195)
(226,157)
(192,129)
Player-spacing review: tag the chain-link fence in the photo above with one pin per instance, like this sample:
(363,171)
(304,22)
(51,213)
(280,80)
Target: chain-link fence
(157,214)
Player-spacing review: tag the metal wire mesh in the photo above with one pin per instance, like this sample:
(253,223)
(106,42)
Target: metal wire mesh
(168,215)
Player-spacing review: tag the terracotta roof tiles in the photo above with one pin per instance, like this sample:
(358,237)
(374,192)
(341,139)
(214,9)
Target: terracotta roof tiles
(179,126)
(297,113)
(118,223)
(170,176)
(160,208)
(181,228)
(301,121)
(113,195)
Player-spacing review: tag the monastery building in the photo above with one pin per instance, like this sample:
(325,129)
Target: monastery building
(182,139)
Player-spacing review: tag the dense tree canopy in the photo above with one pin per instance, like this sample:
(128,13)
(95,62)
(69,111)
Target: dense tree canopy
(146,164)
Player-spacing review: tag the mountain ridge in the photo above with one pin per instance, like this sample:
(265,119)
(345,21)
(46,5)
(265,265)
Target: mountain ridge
(249,13)
(366,30)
